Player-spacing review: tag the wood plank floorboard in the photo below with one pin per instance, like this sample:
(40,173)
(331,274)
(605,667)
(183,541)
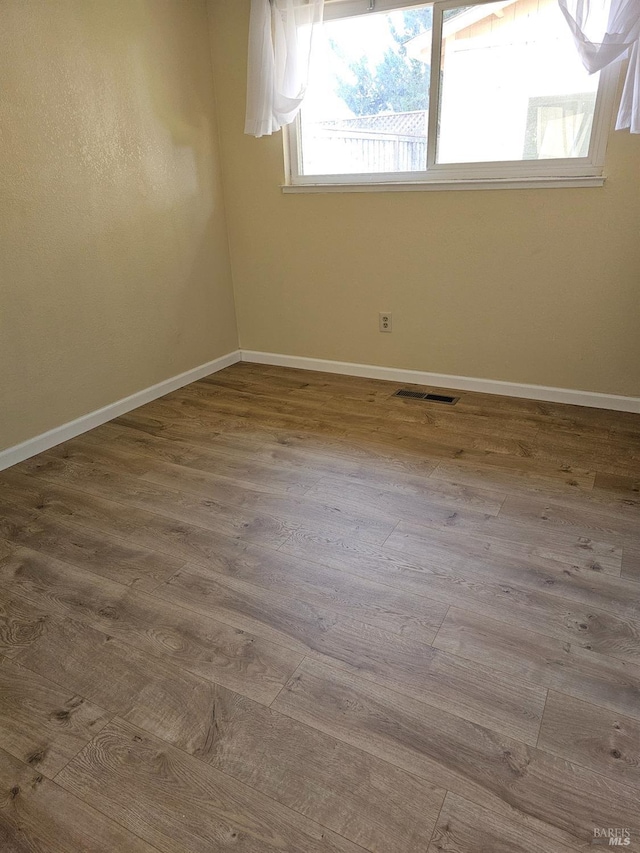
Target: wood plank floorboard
(514,475)
(294,454)
(41,724)
(434,566)
(587,512)
(542,660)
(558,798)
(496,594)
(183,805)
(93,550)
(370,802)
(282,610)
(574,581)
(198,643)
(557,550)
(464,827)
(409,667)
(523,539)
(38,815)
(217,513)
(377,604)
(293,406)
(166,458)
(595,737)
(20,624)
(214,503)
(631,561)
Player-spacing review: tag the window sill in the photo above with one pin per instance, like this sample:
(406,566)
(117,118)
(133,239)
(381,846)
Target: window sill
(462,184)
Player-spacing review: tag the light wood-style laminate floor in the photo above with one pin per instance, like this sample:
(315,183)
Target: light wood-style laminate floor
(285,611)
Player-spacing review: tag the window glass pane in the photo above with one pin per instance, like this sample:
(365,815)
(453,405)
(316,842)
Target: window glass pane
(512,85)
(368,95)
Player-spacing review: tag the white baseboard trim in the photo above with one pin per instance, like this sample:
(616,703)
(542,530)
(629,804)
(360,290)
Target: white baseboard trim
(40,443)
(545,393)
(55,436)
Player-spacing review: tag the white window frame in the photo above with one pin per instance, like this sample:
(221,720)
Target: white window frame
(576,171)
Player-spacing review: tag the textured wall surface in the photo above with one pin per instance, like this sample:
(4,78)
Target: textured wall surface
(537,286)
(114,262)
(114,267)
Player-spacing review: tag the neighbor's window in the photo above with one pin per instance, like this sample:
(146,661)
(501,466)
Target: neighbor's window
(415,92)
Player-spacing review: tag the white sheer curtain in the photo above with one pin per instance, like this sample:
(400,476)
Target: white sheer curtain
(606,31)
(280,37)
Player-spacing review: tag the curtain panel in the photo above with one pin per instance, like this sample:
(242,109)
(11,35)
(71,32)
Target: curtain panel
(280,38)
(608,31)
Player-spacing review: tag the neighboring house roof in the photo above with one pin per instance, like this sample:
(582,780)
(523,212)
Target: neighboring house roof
(420,46)
(471,16)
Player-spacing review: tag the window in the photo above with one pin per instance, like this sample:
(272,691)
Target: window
(404,92)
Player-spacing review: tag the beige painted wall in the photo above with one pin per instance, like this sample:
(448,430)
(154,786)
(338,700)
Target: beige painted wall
(537,286)
(114,266)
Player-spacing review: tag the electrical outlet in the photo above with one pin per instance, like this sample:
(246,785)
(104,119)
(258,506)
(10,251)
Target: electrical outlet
(386,322)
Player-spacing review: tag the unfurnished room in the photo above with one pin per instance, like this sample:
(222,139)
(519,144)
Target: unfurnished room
(319,426)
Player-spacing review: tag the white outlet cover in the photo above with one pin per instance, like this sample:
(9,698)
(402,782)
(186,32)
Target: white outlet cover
(385,321)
